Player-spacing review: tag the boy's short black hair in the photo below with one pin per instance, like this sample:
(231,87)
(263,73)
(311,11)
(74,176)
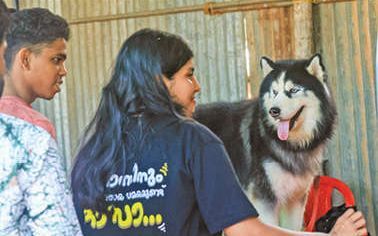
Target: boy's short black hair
(31,27)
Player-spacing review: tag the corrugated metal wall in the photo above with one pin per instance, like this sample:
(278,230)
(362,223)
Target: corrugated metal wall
(268,33)
(227,49)
(346,35)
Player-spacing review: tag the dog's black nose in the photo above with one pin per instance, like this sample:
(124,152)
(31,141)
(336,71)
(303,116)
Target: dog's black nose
(275,112)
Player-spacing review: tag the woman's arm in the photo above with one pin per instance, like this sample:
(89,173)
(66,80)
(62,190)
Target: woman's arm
(349,224)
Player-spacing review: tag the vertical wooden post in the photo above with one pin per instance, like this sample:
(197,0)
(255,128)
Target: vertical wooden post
(16,4)
(303,30)
(376,73)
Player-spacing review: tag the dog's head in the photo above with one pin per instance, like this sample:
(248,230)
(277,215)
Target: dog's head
(296,104)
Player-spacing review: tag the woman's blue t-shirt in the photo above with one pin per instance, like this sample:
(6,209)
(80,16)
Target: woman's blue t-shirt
(182,183)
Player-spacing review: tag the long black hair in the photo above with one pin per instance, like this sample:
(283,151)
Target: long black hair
(136,87)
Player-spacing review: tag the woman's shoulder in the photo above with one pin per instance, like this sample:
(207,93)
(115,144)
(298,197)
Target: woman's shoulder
(179,128)
(199,131)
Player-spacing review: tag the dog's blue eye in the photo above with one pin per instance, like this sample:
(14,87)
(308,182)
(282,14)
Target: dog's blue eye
(294,90)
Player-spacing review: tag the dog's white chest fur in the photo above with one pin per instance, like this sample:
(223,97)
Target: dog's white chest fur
(286,186)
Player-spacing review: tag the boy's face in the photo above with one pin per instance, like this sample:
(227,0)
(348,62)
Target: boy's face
(46,70)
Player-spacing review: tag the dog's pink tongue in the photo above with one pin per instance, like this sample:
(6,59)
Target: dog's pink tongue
(283,130)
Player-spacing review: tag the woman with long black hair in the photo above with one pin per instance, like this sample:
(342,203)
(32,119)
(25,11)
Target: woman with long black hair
(146,168)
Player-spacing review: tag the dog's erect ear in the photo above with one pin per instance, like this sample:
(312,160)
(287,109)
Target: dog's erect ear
(267,65)
(316,68)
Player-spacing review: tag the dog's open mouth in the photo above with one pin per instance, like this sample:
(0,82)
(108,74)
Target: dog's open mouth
(284,126)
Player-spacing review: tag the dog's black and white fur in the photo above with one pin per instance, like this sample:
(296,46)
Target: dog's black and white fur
(276,141)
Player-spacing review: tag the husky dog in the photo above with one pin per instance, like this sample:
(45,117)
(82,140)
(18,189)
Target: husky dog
(276,141)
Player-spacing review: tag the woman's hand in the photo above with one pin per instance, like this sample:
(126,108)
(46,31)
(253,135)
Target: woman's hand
(350,223)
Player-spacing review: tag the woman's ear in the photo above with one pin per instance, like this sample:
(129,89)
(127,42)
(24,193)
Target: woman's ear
(167,82)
